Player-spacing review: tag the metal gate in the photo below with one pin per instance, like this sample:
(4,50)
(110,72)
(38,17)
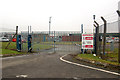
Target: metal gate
(24,40)
(42,42)
(55,41)
(67,41)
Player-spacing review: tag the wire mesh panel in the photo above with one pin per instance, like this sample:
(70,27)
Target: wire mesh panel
(24,40)
(67,41)
(56,41)
(112,41)
(42,41)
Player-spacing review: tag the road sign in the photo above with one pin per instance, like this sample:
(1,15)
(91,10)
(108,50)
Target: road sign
(87,41)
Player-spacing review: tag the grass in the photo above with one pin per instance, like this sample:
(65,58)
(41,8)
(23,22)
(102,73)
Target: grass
(112,54)
(42,46)
(7,51)
(95,58)
(11,46)
(11,50)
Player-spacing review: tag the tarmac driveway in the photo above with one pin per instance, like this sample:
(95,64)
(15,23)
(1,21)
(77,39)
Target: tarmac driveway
(47,65)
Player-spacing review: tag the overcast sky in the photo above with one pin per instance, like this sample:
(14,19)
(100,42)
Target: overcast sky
(67,15)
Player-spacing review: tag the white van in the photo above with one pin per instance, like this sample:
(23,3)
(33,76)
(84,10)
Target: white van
(4,39)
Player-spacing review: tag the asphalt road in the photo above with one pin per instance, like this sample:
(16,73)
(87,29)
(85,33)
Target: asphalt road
(47,65)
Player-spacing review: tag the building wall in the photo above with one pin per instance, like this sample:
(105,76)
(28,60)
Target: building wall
(71,38)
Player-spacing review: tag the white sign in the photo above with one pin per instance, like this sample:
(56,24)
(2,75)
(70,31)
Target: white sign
(87,41)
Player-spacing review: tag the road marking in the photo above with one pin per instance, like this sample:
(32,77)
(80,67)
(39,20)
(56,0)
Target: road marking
(61,58)
(14,57)
(21,76)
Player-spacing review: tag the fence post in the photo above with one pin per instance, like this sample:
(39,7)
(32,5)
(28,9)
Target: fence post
(119,36)
(104,35)
(97,36)
(95,49)
(16,35)
(81,38)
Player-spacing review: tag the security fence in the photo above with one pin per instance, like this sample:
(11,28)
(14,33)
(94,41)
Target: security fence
(54,41)
(24,40)
(112,41)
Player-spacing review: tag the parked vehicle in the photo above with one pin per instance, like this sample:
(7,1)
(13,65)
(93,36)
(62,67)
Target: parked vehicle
(109,41)
(117,40)
(14,40)
(4,39)
(23,40)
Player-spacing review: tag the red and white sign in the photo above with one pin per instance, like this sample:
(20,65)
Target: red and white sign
(87,41)
(88,38)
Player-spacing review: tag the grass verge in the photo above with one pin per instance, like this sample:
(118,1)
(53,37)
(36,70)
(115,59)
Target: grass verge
(11,50)
(95,58)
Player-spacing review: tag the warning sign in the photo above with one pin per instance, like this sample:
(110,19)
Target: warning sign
(87,41)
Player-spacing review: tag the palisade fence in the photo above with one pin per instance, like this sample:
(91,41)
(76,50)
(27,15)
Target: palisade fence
(112,41)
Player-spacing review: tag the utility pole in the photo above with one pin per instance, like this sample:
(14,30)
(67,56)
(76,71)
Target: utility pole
(104,35)
(49,24)
(119,36)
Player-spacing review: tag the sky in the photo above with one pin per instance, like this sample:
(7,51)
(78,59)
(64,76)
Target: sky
(67,15)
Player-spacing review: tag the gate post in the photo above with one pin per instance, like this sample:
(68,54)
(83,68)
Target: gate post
(29,43)
(18,42)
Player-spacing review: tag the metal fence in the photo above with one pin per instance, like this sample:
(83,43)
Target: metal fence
(112,41)
(24,44)
(56,41)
